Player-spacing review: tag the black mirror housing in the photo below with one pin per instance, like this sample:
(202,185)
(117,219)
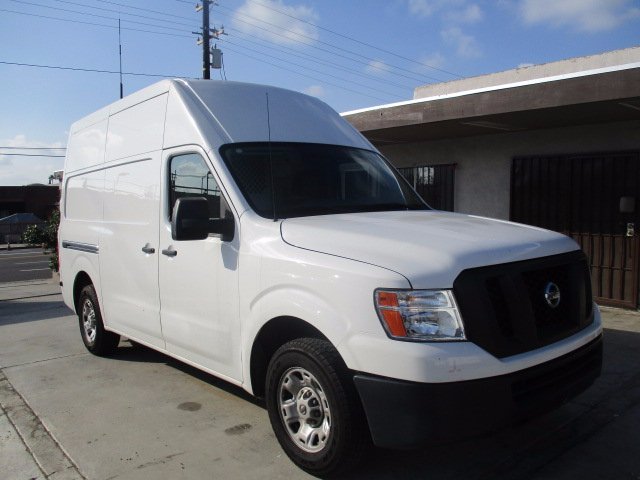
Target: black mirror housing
(225,227)
(190,219)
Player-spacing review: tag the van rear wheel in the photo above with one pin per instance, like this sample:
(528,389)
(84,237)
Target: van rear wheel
(314,408)
(97,340)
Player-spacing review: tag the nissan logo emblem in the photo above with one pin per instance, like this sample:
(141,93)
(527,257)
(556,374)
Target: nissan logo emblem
(552,295)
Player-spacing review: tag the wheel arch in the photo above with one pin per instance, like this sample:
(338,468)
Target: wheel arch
(273,334)
(82,280)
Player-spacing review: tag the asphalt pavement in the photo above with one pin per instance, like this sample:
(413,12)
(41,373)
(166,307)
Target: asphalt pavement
(24,264)
(66,414)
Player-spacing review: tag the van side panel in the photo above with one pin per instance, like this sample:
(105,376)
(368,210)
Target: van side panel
(129,275)
(137,129)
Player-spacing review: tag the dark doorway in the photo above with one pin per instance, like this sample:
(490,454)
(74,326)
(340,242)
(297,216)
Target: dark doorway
(593,198)
(434,183)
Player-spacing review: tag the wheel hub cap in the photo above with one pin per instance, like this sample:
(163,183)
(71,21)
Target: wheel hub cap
(89,320)
(304,409)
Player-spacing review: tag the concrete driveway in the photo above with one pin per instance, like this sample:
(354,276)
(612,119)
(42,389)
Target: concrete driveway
(68,414)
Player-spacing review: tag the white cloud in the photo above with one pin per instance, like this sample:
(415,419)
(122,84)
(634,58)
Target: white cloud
(471,14)
(434,60)
(583,15)
(275,26)
(453,11)
(377,67)
(422,8)
(314,90)
(16,170)
(465,45)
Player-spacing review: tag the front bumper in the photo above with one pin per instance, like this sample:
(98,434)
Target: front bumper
(405,414)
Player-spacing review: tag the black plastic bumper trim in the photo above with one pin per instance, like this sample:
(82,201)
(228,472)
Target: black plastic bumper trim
(405,414)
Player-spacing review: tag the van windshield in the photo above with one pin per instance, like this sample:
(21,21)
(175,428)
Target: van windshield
(316,179)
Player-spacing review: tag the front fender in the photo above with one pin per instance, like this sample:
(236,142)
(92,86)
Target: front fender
(332,294)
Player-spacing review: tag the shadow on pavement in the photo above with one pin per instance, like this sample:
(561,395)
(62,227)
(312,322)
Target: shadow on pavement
(19,311)
(134,352)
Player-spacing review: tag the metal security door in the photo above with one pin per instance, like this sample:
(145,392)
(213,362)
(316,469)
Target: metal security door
(434,183)
(593,199)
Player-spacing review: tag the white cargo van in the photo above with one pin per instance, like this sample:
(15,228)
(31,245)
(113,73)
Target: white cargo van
(253,233)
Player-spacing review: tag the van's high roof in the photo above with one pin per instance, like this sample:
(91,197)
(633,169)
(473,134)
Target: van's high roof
(205,112)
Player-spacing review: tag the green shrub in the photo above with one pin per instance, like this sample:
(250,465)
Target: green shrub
(33,235)
(50,238)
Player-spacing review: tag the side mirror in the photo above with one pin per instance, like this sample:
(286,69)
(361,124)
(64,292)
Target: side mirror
(225,227)
(190,219)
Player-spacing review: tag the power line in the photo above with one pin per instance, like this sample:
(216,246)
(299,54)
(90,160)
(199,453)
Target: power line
(353,39)
(321,42)
(143,9)
(93,70)
(312,69)
(126,13)
(97,16)
(293,53)
(297,72)
(29,155)
(33,148)
(161,33)
(338,67)
(94,24)
(337,54)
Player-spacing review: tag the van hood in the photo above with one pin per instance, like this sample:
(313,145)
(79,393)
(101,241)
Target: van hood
(429,248)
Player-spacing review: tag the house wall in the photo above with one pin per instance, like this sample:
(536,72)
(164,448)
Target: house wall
(482,180)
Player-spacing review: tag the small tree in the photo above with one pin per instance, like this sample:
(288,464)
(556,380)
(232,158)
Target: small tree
(32,235)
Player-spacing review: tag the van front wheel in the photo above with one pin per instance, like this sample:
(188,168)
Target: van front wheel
(97,340)
(313,407)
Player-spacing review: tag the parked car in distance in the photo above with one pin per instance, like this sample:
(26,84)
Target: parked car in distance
(253,233)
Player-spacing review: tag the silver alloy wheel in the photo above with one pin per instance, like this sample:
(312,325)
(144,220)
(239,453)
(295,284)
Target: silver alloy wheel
(304,409)
(89,320)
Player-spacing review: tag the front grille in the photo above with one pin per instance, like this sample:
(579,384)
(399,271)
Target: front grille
(504,309)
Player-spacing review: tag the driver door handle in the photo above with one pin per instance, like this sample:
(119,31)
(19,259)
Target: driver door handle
(148,249)
(169,252)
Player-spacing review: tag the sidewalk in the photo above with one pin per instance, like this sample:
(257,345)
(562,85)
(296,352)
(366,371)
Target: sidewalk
(28,289)
(27,448)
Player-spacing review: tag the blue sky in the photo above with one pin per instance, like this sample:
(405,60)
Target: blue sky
(351,54)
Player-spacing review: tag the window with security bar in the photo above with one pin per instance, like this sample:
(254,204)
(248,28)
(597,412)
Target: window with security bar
(434,183)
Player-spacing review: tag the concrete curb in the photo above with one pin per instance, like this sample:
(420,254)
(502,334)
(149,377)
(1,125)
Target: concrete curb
(40,443)
(18,246)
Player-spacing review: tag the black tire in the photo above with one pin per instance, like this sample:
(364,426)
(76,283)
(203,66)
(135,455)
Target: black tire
(97,340)
(327,396)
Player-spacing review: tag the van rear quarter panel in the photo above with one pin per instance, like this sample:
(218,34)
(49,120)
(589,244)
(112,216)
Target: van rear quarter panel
(81,222)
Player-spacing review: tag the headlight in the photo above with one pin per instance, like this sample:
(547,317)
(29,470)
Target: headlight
(429,315)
